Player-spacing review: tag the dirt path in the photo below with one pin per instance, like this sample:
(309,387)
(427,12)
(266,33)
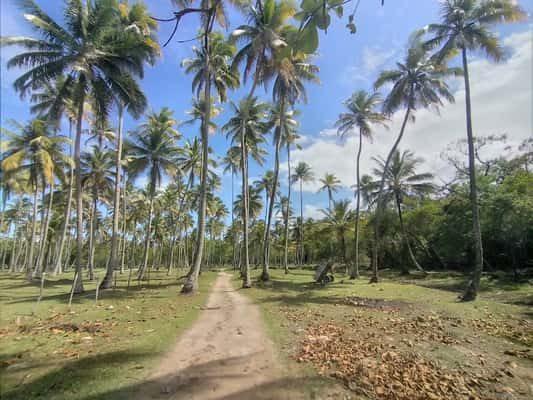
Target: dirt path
(224,355)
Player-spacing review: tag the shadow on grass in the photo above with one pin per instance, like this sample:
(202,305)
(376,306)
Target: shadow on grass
(72,380)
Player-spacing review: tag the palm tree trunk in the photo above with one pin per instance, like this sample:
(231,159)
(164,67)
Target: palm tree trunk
(112,264)
(405,270)
(266,244)
(302,248)
(355,270)
(78,282)
(124,226)
(286,252)
(380,206)
(473,286)
(66,214)
(33,233)
(247,283)
(191,284)
(92,235)
(142,270)
(44,239)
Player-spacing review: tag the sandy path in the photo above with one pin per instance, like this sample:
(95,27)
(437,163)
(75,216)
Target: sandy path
(224,355)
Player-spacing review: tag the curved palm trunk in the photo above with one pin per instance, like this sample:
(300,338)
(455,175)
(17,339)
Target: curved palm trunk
(41,260)
(33,233)
(380,207)
(473,286)
(405,270)
(355,270)
(66,215)
(265,276)
(78,281)
(142,270)
(112,264)
(286,252)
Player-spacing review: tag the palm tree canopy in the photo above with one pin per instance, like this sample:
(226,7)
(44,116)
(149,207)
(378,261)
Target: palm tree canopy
(302,173)
(361,114)
(98,170)
(417,82)
(339,218)
(330,183)
(465,25)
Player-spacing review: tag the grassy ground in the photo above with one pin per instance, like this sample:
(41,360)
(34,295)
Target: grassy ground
(92,349)
(404,338)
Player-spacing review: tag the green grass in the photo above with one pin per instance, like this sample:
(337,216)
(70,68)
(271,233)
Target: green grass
(90,351)
(499,322)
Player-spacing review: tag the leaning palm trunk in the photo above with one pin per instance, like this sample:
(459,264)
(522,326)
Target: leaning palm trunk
(92,236)
(266,243)
(473,286)
(78,281)
(66,216)
(142,269)
(33,233)
(107,282)
(355,270)
(406,240)
(379,200)
(286,250)
(41,260)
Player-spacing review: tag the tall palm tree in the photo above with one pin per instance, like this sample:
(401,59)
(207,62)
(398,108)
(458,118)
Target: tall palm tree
(231,164)
(331,184)
(247,127)
(338,219)
(97,57)
(361,116)
(140,28)
(32,153)
(302,174)
(417,83)
(210,66)
(153,150)
(285,209)
(265,185)
(464,26)
(97,167)
(403,181)
(291,72)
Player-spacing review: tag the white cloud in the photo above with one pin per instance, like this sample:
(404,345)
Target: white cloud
(501,101)
(372,60)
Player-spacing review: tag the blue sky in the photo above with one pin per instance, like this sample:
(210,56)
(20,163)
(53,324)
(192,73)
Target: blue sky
(501,93)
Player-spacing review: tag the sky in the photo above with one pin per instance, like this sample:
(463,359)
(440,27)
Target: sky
(501,93)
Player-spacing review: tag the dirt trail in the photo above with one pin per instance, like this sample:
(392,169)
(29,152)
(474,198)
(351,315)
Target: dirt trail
(224,355)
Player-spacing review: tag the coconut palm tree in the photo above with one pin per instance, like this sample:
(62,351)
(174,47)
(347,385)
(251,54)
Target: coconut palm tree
(153,150)
(331,184)
(402,181)
(338,219)
(32,153)
(359,119)
(302,174)
(465,26)
(247,127)
(210,66)
(231,164)
(283,207)
(97,167)
(417,83)
(265,185)
(96,55)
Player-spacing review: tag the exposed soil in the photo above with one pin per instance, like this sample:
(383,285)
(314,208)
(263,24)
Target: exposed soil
(224,355)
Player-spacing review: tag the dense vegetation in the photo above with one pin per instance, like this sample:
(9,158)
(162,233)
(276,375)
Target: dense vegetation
(76,204)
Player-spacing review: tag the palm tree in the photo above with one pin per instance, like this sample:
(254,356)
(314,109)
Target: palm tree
(417,83)
(96,55)
(402,181)
(331,184)
(210,67)
(32,153)
(153,150)
(247,127)
(283,207)
(361,115)
(302,174)
(231,164)
(338,219)
(97,167)
(265,184)
(140,28)
(465,27)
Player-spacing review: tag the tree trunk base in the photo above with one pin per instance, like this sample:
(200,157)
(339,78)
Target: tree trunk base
(107,283)
(405,272)
(374,279)
(470,294)
(189,287)
(246,285)
(265,277)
